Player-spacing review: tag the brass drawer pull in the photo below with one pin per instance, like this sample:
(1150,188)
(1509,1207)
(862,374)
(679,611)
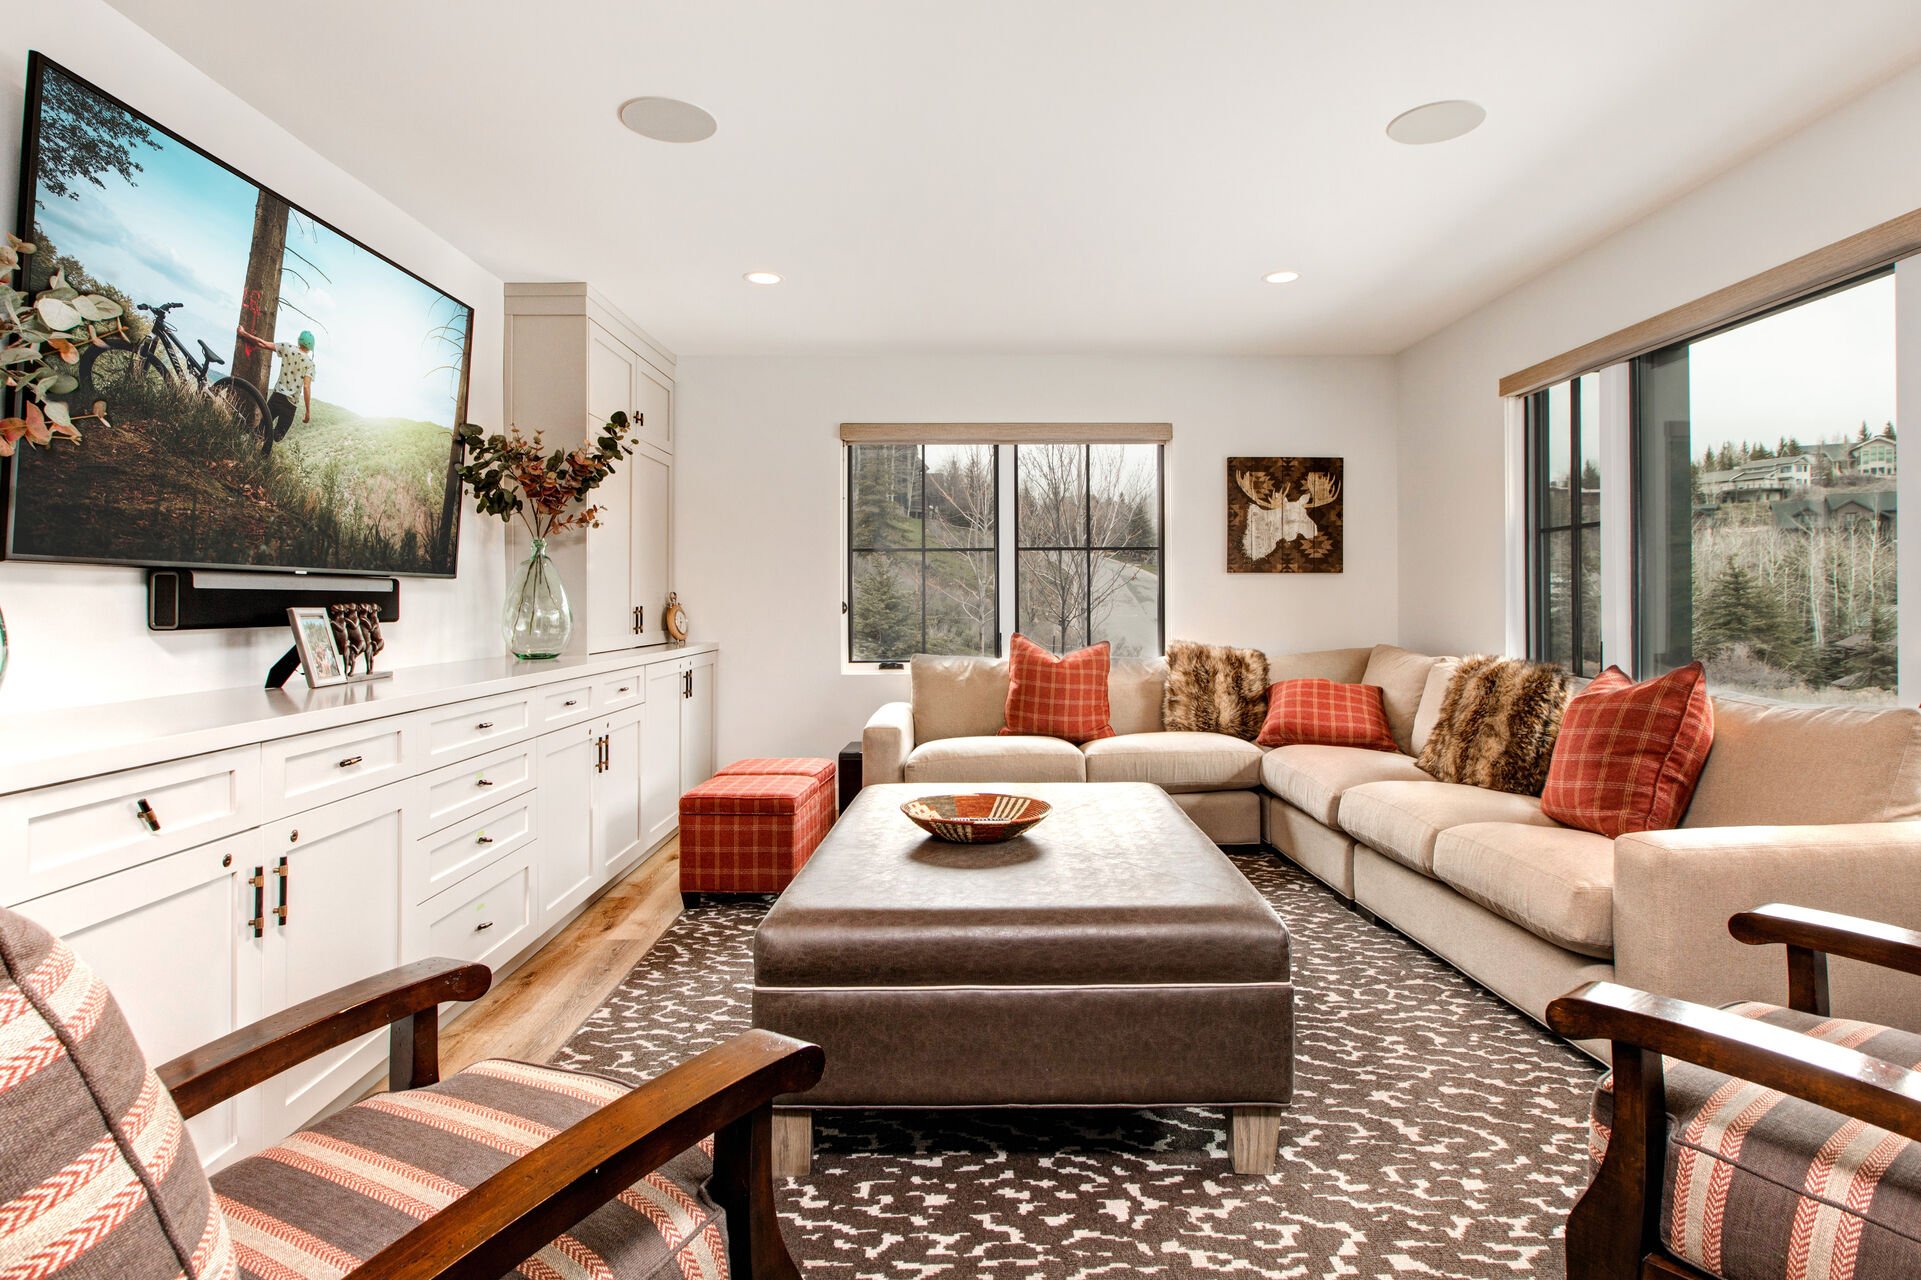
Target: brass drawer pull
(485,724)
(570,702)
(351,761)
(484,926)
(285,876)
(483,839)
(148,818)
(483,782)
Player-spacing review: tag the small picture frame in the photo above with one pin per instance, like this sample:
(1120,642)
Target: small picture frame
(313,639)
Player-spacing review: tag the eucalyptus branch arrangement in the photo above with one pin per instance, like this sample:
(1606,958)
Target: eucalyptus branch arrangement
(40,341)
(511,475)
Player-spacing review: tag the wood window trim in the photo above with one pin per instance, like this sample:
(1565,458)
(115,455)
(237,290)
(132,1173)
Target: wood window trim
(1006,432)
(1810,273)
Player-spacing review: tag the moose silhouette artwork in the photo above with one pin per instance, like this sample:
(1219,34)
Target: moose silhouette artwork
(1284,515)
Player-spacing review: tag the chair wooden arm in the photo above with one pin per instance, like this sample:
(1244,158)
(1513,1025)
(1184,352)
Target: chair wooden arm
(1812,936)
(727,1091)
(1614,1226)
(406,999)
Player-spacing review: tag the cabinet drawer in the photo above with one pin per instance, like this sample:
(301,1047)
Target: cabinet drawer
(463,789)
(468,728)
(57,836)
(314,768)
(566,704)
(446,856)
(486,918)
(622,689)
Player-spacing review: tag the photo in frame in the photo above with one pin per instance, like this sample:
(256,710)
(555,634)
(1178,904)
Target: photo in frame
(1285,515)
(313,639)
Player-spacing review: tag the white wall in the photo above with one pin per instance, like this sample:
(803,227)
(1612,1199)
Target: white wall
(759,517)
(78,632)
(1842,174)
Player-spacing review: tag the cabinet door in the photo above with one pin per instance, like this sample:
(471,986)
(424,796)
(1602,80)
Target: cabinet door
(564,852)
(616,806)
(654,397)
(610,375)
(651,476)
(337,871)
(697,724)
(170,940)
(660,753)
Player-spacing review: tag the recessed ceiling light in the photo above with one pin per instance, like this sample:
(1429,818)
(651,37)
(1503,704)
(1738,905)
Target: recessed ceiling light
(762,277)
(666,119)
(1436,122)
(1281,277)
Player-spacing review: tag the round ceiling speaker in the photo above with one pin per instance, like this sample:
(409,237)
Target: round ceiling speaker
(1436,122)
(667,119)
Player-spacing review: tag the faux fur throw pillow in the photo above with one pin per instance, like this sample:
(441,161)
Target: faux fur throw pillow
(1214,689)
(1499,719)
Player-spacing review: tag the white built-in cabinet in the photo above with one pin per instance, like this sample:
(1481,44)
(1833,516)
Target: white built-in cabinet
(573,360)
(215,888)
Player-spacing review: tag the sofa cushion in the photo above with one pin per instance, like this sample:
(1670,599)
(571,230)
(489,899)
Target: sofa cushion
(1555,882)
(1344,666)
(1402,677)
(1755,1178)
(1497,724)
(1774,764)
(99,1179)
(1176,761)
(1059,697)
(1403,819)
(1134,690)
(1629,754)
(958,697)
(1432,698)
(1213,688)
(1322,713)
(1313,779)
(341,1191)
(999,758)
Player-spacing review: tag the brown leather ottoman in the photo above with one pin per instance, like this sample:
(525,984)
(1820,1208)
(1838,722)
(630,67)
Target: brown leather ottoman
(1111,957)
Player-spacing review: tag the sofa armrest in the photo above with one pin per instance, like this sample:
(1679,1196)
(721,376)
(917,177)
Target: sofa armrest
(886,743)
(1676,891)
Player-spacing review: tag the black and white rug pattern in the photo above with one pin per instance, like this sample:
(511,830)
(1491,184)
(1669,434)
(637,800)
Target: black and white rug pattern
(1434,1132)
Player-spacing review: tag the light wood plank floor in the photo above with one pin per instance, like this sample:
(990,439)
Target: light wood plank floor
(530,1013)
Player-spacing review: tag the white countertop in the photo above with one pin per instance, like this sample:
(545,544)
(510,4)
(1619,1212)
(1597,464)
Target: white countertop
(44,747)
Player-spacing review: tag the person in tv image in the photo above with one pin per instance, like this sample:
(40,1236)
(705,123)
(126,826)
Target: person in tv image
(295,381)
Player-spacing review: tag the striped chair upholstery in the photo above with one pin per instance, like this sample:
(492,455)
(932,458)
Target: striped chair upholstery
(98,1175)
(338,1192)
(1762,1186)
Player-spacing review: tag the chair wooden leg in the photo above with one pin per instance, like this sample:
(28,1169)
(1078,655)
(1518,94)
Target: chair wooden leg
(1255,1138)
(743,1186)
(793,1144)
(1616,1222)
(413,1050)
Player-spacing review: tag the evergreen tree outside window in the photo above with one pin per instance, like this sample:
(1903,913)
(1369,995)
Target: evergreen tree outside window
(923,551)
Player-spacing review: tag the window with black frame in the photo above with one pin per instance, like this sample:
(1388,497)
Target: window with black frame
(1088,555)
(1564,524)
(923,539)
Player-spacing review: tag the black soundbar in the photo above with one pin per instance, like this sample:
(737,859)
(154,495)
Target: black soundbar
(207,600)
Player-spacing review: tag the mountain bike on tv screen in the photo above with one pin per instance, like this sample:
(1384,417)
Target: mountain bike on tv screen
(123,370)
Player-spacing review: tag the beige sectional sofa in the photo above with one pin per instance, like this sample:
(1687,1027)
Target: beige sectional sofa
(1819,806)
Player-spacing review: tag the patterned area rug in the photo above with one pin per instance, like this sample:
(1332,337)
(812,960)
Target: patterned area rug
(1433,1132)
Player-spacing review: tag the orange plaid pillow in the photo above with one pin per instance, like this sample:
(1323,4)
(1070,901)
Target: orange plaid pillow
(1322,713)
(1629,754)
(1063,697)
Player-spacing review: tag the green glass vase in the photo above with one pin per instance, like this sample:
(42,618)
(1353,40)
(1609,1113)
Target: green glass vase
(537,620)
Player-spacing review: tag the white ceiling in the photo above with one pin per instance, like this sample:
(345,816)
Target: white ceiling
(1004,175)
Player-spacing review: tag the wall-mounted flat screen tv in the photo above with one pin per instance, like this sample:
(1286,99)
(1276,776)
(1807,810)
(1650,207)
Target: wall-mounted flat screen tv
(286,397)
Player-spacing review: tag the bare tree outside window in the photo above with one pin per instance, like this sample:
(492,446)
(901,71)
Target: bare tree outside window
(922,533)
(1088,554)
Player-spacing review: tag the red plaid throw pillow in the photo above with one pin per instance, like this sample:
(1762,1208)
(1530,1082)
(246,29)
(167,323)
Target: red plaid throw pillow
(1321,713)
(1629,754)
(1063,697)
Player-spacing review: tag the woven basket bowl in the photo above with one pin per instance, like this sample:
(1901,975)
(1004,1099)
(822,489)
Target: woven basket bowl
(985,818)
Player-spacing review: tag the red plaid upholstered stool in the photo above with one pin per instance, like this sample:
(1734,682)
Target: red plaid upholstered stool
(752,826)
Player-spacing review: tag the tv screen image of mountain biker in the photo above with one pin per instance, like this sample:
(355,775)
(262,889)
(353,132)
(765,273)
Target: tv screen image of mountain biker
(283,396)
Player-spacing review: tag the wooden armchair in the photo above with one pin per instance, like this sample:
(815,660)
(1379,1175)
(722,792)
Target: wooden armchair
(1704,1154)
(505,1167)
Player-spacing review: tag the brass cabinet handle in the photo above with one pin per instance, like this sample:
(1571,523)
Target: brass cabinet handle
(259,882)
(570,702)
(285,875)
(624,688)
(485,724)
(483,782)
(148,818)
(350,762)
(483,926)
(483,839)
